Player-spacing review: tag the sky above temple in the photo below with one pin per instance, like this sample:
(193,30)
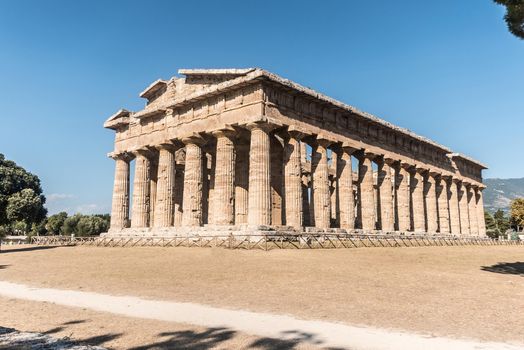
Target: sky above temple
(448,70)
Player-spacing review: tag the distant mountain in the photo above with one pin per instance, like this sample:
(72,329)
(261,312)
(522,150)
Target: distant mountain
(500,192)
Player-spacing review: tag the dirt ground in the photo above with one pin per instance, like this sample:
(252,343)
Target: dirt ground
(473,292)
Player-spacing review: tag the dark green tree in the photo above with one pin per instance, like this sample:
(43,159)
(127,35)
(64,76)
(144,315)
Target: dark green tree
(21,198)
(70,224)
(55,223)
(91,225)
(514,16)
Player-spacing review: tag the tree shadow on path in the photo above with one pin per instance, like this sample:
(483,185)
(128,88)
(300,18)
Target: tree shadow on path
(515,268)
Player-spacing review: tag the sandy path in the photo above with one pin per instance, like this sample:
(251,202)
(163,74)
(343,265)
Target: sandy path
(275,326)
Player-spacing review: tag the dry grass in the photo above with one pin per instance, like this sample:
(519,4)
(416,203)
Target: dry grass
(435,290)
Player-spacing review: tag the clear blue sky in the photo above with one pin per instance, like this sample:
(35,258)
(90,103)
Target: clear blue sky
(448,70)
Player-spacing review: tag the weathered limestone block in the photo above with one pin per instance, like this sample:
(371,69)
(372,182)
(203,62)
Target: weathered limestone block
(141,190)
(334,190)
(293,181)
(480,213)
(464,209)
(224,192)
(164,207)
(403,198)
(385,196)
(366,192)
(454,212)
(442,191)
(320,188)
(241,182)
(472,211)
(120,203)
(345,183)
(193,183)
(431,203)
(417,200)
(259,212)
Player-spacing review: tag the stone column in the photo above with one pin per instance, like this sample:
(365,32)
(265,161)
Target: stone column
(454,212)
(153,164)
(403,198)
(464,210)
(241,182)
(179,188)
(417,200)
(320,188)
(224,192)
(430,196)
(366,192)
(345,182)
(305,199)
(193,182)
(277,179)
(385,195)
(259,212)
(442,190)
(120,203)
(480,212)
(141,190)
(472,211)
(293,180)
(164,207)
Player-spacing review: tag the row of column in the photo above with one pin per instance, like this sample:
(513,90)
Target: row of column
(405,198)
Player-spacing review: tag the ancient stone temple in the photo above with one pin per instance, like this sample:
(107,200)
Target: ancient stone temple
(238,151)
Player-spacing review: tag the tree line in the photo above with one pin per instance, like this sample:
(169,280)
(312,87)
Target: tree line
(22,210)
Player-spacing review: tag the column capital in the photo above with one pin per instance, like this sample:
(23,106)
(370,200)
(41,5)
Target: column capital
(168,146)
(195,139)
(126,156)
(227,131)
(391,161)
(406,166)
(324,140)
(349,148)
(145,151)
(295,132)
(264,126)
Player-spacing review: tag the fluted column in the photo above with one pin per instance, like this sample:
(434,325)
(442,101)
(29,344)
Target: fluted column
(442,192)
(164,207)
(345,183)
(472,211)
(430,196)
(464,210)
(141,190)
(259,175)
(366,192)
(224,193)
(293,180)
(193,183)
(153,163)
(403,198)
(417,200)
(480,212)
(454,212)
(385,190)
(120,203)
(241,182)
(320,187)
(179,188)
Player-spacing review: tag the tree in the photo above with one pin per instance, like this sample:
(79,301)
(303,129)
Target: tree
(70,224)
(517,212)
(55,223)
(514,16)
(21,198)
(91,225)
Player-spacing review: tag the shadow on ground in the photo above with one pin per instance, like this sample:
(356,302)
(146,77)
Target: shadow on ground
(185,339)
(27,249)
(515,268)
